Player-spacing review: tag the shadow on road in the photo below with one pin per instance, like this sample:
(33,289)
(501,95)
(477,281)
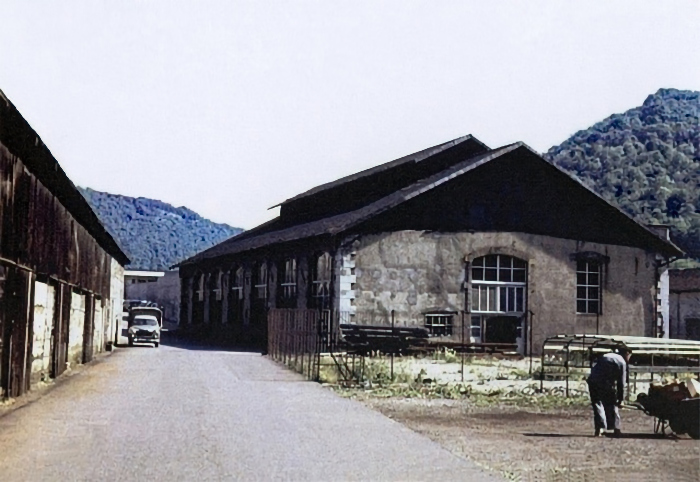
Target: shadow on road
(641,436)
(188,342)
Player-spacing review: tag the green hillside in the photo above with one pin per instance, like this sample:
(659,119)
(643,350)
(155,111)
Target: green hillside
(154,234)
(647,161)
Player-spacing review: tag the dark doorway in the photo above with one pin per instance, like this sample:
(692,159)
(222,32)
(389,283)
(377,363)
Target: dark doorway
(502,329)
(692,329)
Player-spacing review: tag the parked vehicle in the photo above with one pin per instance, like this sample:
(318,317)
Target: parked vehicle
(144,329)
(146,310)
(145,325)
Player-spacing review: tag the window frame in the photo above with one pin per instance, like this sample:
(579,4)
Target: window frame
(321,287)
(235,276)
(288,282)
(502,294)
(587,286)
(261,281)
(218,283)
(443,329)
(200,285)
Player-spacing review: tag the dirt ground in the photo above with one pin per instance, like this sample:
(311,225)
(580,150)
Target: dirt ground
(556,444)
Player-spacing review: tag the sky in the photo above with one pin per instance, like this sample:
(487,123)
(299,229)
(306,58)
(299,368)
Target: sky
(230,107)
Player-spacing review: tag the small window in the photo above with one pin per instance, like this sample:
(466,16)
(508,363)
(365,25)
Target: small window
(237,284)
(289,282)
(475,329)
(322,272)
(215,283)
(588,292)
(200,288)
(439,324)
(261,281)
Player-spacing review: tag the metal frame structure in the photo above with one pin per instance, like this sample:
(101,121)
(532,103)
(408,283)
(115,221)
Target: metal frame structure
(649,355)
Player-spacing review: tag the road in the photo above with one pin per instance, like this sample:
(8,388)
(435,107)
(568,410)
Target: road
(188,413)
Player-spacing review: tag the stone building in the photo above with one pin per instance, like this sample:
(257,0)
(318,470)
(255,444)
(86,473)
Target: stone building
(684,301)
(159,287)
(61,273)
(499,238)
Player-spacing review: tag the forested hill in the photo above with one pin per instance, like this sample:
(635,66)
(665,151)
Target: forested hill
(647,161)
(154,234)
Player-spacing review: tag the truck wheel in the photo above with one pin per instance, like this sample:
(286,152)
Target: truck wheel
(156,344)
(131,342)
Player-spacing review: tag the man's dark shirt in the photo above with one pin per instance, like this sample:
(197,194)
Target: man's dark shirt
(610,371)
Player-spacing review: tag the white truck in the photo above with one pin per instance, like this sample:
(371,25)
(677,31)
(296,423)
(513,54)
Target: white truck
(145,325)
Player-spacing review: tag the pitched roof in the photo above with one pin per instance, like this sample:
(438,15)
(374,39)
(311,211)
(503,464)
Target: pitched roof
(277,231)
(22,141)
(416,158)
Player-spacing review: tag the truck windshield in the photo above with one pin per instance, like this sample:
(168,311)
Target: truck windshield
(145,322)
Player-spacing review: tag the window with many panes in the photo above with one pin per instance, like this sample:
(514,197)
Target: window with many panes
(439,324)
(588,291)
(289,282)
(498,284)
(260,286)
(475,329)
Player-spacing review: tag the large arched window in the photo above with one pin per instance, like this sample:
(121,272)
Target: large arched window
(498,284)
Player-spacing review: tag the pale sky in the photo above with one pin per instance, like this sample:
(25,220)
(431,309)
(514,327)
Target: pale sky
(230,107)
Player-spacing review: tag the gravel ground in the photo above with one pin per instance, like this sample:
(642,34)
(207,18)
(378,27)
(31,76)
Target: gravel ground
(527,443)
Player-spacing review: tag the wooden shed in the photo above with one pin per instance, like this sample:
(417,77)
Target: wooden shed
(59,268)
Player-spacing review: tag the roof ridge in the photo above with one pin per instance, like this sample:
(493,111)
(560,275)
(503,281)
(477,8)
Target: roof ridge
(417,156)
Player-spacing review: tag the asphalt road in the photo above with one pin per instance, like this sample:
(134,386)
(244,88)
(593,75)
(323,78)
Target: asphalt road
(186,413)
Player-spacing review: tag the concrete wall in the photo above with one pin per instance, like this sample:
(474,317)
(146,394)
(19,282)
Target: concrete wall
(98,334)
(415,272)
(76,329)
(165,292)
(44,301)
(683,306)
(116,299)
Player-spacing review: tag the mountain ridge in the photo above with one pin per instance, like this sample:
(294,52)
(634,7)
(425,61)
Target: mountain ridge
(646,161)
(154,234)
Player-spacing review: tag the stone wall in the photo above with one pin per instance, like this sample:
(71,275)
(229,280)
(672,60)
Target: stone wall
(414,272)
(76,329)
(116,299)
(44,301)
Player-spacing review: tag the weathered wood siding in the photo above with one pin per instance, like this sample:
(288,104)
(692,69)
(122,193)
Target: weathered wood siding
(54,256)
(38,233)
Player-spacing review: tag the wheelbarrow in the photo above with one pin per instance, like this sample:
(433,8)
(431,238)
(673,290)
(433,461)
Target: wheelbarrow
(680,415)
